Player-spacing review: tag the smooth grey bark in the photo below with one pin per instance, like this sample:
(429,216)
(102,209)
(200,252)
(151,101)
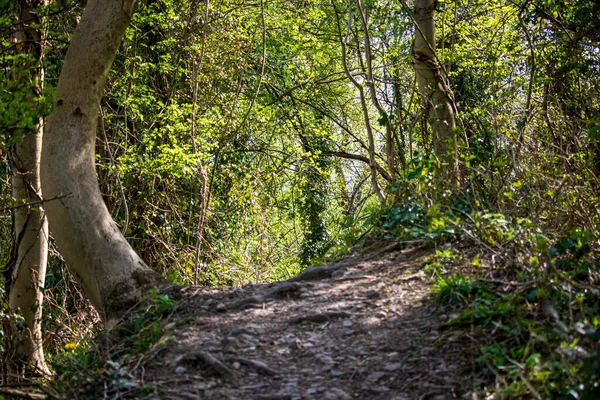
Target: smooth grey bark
(113,276)
(435,93)
(26,272)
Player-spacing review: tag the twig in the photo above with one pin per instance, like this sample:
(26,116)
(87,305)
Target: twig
(495,371)
(417,275)
(534,392)
(213,362)
(259,365)
(22,394)
(33,203)
(354,278)
(501,282)
(322,317)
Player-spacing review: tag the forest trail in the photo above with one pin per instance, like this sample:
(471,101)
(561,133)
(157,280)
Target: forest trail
(360,328)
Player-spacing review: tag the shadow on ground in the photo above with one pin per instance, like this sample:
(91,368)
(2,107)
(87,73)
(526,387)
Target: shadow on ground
(361,328)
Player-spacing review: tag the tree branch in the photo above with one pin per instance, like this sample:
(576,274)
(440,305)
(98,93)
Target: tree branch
(33,203)
(342,154)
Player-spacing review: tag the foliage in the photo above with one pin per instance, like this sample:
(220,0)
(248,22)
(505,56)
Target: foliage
(68,318)
(146,328)
(87,369)
(233,148)
(413,222)
(458,289)
(529,301)
(434,264)
(9,320)
(539,333)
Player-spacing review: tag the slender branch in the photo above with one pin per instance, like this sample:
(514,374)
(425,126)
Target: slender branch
(363,102)
(33,203)
(384,174)
(531,78)
(22,394)
(389,142)
(262,67)
(205,193)
(309,82)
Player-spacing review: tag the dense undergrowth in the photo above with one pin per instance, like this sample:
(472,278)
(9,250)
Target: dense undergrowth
(87,369)
(88,365)
(528,302)
(525,293)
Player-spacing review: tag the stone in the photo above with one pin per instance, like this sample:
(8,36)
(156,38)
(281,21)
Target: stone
(392,367)
(325,359)
(254,387)
(375,376)
(336,394)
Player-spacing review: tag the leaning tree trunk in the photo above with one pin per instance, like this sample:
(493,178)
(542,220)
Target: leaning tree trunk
(112,274)
(435,93)
(26,272)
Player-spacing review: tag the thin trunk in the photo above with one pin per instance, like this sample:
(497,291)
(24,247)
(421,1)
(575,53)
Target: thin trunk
(312,189)
(344,196)
(435,93)
(358,157)
(400,137)
(27,271)
(383,114)
(205,195)
(363,102)
(204,177)
(112,274)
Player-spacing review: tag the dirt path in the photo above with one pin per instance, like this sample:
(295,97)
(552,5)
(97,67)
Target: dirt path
(362,328)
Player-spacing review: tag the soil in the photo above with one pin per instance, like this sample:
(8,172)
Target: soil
(365,327)
(361,328)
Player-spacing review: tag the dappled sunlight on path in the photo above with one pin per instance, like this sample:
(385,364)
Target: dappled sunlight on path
(361,328)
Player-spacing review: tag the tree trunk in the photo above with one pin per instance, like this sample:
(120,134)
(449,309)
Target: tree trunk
(363,102)
(26,272)
(384,118)
(111,273)
(435,93)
